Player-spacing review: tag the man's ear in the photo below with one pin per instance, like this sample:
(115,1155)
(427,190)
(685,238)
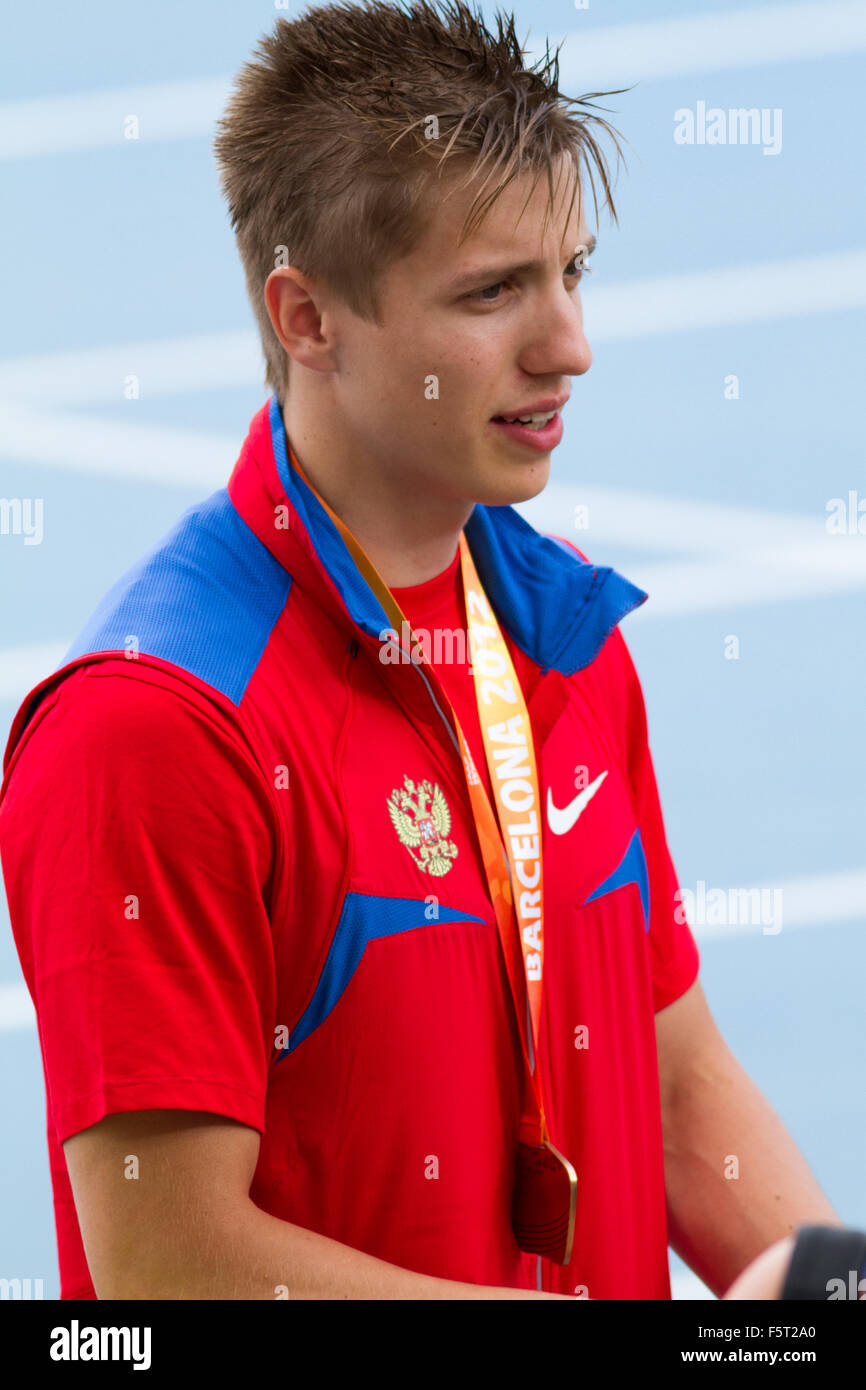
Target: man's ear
(295,305)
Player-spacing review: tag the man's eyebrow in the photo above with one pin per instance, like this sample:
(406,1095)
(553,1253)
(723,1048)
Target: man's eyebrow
(492,274)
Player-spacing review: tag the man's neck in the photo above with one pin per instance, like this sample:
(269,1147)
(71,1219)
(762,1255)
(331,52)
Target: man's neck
(408,538)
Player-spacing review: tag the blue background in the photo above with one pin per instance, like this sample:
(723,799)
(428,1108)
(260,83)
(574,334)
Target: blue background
(761,761)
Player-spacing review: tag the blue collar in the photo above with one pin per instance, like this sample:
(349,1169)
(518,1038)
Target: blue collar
(558,608)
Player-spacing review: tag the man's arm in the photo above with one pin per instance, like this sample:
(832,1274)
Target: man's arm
(713,1114)
(178,1223)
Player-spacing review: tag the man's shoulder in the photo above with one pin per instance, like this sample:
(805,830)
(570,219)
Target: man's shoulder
(131,711)
(184,628)
(204,598)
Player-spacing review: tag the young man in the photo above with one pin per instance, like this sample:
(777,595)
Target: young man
(318,1016)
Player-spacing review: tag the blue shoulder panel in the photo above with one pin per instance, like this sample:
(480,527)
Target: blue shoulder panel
(557,607)
(205,597)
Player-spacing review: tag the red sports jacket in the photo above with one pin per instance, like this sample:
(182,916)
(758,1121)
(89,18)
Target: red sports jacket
(214,908)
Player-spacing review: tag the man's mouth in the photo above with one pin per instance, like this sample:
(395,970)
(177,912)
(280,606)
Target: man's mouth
(541,432)
(532,422)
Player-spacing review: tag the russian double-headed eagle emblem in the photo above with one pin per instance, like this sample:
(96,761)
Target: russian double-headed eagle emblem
(420,815)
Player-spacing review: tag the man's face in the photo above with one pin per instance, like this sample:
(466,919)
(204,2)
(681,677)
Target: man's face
(464,340)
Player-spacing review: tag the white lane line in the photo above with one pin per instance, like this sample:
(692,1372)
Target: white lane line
(162,366)
(718,298)
(614,56)
(99,119)
(610,56)
(721,557)
(667,524)
(738,581)
(815,901)
(80,443)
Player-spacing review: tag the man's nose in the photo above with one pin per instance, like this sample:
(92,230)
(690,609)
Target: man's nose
(559,346)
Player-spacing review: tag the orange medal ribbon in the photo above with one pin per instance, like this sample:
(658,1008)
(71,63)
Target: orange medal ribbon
(545,1191)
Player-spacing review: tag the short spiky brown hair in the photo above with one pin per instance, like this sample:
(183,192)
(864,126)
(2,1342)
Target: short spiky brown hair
(325,146)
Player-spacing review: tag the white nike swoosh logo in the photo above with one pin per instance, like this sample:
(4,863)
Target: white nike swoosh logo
(561,819)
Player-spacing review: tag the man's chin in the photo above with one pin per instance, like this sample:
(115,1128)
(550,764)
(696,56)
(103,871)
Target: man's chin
(507,489)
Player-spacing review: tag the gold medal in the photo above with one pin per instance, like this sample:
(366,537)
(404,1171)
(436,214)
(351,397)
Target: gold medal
(545,1202)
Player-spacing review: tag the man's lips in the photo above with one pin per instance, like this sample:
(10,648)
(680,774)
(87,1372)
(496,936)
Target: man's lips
(541,440)
(538,408)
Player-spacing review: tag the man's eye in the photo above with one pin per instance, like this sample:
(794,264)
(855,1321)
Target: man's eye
(487,288)
(581,268)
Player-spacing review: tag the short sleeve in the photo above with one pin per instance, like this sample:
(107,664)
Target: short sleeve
(138,843)
(674,956)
